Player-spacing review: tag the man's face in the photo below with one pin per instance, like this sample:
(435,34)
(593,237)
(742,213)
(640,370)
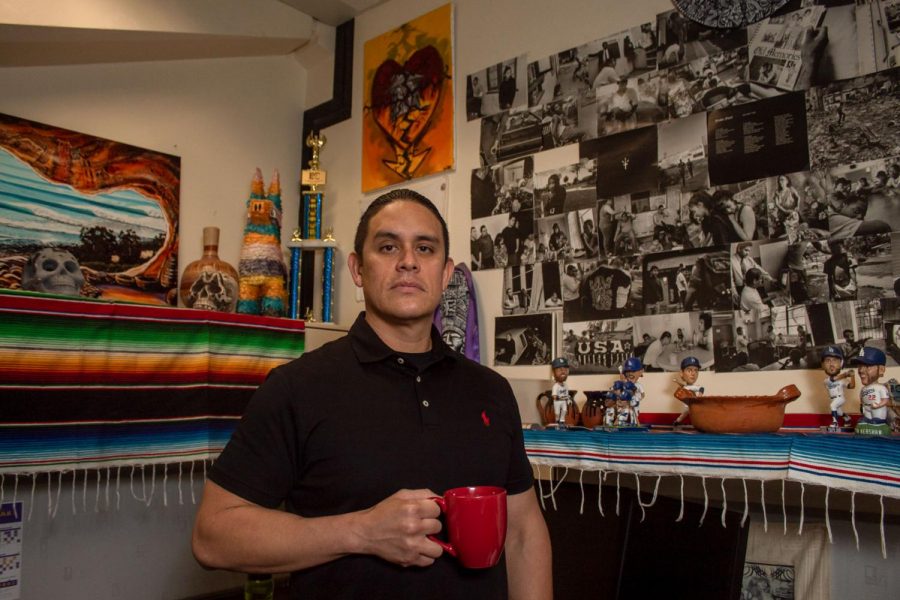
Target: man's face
(474,234)
(690,375)
(484,231)
(849,336)
(560,374)
(869,373)
(831,365)
(698,212)
(633,376)
(403,270)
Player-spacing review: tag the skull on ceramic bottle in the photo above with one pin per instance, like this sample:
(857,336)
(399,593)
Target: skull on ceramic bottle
(53,271)
(213,291)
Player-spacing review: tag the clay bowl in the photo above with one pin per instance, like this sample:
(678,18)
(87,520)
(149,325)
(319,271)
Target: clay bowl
(738,414)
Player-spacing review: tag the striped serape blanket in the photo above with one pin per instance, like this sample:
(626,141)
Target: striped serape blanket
(94,385)
(866,464)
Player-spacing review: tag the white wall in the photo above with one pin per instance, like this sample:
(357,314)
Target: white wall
(485,34)
(223,117)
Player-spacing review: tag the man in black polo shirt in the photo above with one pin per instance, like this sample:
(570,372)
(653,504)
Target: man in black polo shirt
(355,437)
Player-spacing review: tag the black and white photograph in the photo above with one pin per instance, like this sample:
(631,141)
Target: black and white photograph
(599,289)
(755,287)
(718,217)
(488,251)
(569,187)
(583,236)
(554,241)
(641,223)
(677,92)
(750,208)
(776,339)
(577,70)
(719,81)
(756,140)
(860,268)
(780,45)
(865,197)
(876,50)
(856,324)
(682,151)
(797,206)
(890,312)
(497,88)
(511,134)
(531,288)
(854,120)
(804,264)
(561,119)
(628,103)
(626,162)
(763,581)
(512,235)
(663,341)
(523,339)
(682,40)
(705,280)
(597,346)
(745,345)
(503,188)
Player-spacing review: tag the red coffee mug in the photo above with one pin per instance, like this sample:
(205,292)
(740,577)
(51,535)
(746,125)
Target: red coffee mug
(475,519)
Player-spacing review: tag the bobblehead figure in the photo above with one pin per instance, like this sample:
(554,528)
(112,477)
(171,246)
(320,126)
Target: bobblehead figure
(832,363)
(690,372)
(560,391)
(874,396)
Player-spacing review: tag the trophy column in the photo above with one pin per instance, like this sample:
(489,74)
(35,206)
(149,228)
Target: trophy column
(307,243)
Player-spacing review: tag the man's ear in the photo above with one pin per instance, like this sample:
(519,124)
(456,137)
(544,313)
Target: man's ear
(355,265)
(448,272)
(881,370)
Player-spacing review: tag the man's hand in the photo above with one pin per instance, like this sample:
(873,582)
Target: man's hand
(395,528)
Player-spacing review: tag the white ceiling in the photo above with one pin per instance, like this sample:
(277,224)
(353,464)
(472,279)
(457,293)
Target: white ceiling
(24,44)
(332,12)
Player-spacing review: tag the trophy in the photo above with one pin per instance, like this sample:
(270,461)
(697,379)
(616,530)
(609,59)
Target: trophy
(307,242)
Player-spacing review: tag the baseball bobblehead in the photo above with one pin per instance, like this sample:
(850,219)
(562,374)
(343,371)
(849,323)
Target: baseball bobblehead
(632,370)
(690,371)
(562,399)
(874,397)
(832,363)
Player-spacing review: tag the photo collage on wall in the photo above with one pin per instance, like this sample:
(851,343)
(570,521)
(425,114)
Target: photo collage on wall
(735,195)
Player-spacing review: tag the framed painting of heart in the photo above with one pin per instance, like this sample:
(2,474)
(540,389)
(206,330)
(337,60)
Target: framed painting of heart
(408,101)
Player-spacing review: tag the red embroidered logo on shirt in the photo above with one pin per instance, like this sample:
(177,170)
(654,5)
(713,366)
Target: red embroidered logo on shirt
(485,418)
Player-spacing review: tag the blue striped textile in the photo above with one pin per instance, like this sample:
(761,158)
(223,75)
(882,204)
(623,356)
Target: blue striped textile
(855,463)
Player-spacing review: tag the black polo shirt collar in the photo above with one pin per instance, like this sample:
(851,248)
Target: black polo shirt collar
(369,348)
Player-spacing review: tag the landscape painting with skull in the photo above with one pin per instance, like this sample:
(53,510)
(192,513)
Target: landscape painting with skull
(86,216)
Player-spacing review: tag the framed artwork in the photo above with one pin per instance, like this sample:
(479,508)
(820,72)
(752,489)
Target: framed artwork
(86,216)
(408,101)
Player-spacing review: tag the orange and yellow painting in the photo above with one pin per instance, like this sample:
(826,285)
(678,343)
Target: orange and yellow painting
(408,101)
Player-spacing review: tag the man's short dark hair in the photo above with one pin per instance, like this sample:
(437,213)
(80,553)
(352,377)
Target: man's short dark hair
(362,230)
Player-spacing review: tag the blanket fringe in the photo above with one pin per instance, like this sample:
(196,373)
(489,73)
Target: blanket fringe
(101,480)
